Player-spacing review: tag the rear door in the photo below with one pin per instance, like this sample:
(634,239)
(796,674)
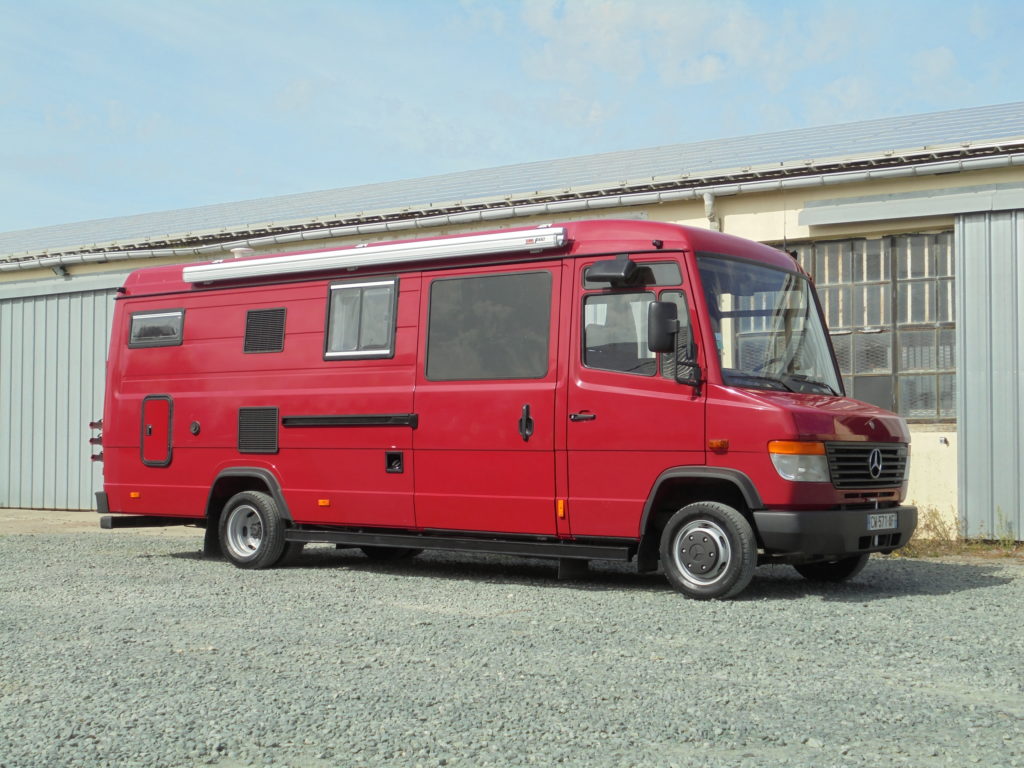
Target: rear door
(485,399)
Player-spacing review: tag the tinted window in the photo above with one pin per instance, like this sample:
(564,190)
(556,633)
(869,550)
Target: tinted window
(615,333)
(653,273)
(361,319)
(493,327)
(157,329)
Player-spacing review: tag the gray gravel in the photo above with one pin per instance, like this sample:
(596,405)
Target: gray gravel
(130,650)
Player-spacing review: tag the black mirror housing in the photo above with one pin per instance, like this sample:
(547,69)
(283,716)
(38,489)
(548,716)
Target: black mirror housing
(662,326)
(615,272)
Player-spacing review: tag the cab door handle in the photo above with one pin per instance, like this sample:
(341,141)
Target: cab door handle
(582,416)
(526,424)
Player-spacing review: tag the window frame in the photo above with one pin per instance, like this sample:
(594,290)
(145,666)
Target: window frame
(362,354)
(160,341)
(550,324)
(898,254)
(632,291)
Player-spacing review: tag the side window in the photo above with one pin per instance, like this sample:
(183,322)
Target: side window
(361,319)
(163,328)
(649,273)
(490,327)
(615,333)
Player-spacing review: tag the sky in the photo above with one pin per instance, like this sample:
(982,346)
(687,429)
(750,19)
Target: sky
(116,107)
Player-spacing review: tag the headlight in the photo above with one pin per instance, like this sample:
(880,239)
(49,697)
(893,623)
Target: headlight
(801,462)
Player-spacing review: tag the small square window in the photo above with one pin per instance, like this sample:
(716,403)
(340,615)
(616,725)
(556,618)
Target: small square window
(361,319)
(159,328)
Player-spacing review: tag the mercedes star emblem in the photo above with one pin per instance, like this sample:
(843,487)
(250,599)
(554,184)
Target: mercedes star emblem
(875,463)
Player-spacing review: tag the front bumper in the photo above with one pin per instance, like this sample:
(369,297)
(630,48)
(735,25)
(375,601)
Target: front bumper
(823,533)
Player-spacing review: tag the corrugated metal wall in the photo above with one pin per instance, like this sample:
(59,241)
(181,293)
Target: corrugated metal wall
(990,372)
(52,354)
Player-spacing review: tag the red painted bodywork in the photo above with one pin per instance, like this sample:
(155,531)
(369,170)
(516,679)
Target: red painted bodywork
(466,466)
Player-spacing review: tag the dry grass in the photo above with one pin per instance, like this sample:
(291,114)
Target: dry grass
(938,536)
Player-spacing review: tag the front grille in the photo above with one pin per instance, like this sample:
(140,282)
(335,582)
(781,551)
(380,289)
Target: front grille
(867,465)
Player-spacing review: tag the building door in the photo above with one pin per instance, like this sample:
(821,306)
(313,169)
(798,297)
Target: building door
(485,399)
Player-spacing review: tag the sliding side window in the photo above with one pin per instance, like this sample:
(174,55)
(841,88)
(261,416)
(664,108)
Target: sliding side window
(361,319)
(160,328)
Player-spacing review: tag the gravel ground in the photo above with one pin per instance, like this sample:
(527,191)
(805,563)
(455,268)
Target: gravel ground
(121,649)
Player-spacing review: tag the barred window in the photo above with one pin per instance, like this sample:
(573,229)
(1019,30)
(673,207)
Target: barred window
(889,305)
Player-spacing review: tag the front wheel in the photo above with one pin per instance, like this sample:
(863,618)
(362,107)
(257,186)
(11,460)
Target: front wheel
(708,551)
(252,530)
(835,571)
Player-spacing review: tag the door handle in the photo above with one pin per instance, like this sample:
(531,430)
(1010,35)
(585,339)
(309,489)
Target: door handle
(582,416)
(526,424)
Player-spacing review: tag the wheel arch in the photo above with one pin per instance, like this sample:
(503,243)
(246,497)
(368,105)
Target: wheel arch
(679,486)
(237,479)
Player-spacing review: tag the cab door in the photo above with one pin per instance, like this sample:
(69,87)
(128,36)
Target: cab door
(628,419)
(485,399)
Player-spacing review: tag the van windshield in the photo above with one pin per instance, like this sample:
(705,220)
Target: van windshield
(768,331)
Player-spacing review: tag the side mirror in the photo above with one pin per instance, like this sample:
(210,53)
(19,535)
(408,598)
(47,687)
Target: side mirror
(662,326)
(615,272)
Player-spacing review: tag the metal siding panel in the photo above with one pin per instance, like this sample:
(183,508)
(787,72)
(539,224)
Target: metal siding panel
(974,423)
(1002,301)
(74,364)
(1016,342)
(102,312)
(6,404)
(63,398)
(52,363)
(990,379)
(18,332)
(51,375)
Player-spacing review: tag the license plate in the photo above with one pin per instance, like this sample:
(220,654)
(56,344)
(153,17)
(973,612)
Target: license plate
(883,521)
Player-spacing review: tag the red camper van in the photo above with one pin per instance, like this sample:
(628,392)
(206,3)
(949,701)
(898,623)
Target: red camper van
(620,390)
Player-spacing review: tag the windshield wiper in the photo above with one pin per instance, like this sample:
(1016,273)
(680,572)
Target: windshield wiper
(813,382)
(753,377)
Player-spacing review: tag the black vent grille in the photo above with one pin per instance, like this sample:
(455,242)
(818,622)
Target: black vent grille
(257,430)
(264,330)
(867,465)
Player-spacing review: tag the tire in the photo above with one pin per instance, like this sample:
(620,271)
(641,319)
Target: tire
(252,530)
(834,571)
(708,551)
(390,554)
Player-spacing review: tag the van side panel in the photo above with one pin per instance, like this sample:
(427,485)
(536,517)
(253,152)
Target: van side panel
(334,469)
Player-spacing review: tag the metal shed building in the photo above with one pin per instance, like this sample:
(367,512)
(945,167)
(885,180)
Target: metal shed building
(912,228)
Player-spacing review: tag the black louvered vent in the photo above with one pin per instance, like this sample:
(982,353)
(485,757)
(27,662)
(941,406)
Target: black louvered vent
(264,330)
(257,430)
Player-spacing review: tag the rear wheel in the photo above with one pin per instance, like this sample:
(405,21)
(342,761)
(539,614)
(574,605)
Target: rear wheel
(834,571)
(708,551)
(252,530)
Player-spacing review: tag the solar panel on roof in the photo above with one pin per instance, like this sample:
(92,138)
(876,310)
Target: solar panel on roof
(897,134)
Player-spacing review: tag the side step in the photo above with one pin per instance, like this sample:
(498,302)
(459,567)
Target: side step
(109,522)
(559,550)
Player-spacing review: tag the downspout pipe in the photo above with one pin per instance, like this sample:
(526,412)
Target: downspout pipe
(711,212)
(557,207)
